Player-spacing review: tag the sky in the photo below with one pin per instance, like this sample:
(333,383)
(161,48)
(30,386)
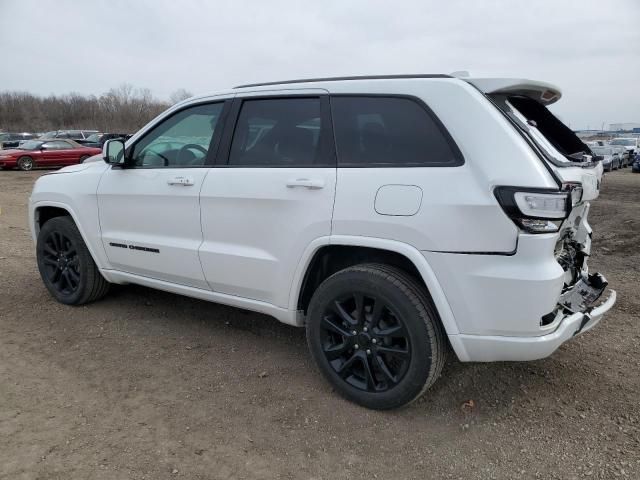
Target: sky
(590,49)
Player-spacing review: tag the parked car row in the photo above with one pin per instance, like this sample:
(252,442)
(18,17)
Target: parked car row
(52,149)
(616,153)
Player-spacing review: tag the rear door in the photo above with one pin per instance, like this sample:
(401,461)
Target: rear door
(150,211)
(271,196)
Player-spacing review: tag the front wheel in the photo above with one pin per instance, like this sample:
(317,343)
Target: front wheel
(66,266)
(375,335)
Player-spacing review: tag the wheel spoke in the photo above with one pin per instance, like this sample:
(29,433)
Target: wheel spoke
(394,351)
(392,331)
(64,280)
(359,313)
(368,373)
(74,277)
(344,315)
(391,378)
(50,261)
(376,314)
(50,251)
(345,369)
(335,351)
(55,279)
(55,238)
(330,324)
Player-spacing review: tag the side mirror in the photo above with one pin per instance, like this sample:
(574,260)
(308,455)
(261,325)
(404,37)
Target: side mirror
(113,152)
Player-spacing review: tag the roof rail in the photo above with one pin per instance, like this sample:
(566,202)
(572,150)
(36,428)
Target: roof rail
(337,79)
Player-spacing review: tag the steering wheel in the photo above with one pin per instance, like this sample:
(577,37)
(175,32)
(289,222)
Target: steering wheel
(191,146)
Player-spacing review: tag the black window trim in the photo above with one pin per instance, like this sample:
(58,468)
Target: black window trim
(325,142)
(214,145)
(459,159)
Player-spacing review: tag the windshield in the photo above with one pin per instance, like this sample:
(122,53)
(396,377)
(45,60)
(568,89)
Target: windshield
(31,145)
(4,136)
(627,142)
(94,138)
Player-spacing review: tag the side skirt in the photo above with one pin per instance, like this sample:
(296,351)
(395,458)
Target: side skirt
(285,316)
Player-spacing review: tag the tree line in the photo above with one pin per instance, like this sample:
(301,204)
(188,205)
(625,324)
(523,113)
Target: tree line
(123,110)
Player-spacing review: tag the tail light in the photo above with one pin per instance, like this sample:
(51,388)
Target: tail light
(536,210)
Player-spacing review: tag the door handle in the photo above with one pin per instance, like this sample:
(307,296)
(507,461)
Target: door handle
(184,181)
(306,183)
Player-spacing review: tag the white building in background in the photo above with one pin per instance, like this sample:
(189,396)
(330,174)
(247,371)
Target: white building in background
(623,126)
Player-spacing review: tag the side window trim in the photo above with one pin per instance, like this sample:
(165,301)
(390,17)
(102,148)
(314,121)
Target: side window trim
(214,144)
(326,142)
(441,127)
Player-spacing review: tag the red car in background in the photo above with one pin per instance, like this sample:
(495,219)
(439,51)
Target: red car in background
(46,153)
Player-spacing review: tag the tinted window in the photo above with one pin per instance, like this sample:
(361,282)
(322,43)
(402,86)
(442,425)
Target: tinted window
(280,132)
(182,140)
(389,131)
(56,145)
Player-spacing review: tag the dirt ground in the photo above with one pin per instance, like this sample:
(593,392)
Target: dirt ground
(145,384)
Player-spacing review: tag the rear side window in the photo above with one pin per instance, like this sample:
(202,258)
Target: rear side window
(56,145)
(278,132)
(390,132)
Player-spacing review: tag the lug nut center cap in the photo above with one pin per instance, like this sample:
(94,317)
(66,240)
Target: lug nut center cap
(364,340)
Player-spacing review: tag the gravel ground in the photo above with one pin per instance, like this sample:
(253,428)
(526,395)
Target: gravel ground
(145,384)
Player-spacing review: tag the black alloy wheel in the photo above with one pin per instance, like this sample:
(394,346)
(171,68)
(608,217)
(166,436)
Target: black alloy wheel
(375,335)
(365,342)
(61,263)
(65,263)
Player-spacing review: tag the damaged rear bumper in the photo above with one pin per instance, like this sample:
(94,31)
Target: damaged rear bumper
(477,348)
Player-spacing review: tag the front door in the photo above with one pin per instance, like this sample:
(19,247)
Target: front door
(271,196)
(150,210)
(54,153)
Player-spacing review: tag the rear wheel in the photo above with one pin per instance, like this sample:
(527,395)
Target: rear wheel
(375,336)
(25,163)
(66,266)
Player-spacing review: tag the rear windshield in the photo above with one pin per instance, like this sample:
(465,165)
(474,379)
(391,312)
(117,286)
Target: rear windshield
(557,142)
(602,150)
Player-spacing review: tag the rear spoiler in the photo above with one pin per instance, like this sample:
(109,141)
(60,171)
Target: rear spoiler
(543,92)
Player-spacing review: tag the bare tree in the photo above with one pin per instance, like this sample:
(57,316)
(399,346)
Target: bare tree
(122,109)
(179,95)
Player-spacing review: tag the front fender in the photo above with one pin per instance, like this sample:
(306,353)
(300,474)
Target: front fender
(76,193)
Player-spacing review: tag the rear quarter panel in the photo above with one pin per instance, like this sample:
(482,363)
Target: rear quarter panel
(458,212)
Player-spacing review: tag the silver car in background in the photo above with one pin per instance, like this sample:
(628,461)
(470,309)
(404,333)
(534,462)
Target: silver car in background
(611,160)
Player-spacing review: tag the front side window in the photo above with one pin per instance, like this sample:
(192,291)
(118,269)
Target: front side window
(389,131)
(182,140)
(277,132)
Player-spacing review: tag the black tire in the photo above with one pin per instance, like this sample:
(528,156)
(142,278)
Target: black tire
(375,368)
(66,266)
(26,163)
(83,158)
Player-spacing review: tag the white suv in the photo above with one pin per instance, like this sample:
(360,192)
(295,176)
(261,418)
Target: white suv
(395,217)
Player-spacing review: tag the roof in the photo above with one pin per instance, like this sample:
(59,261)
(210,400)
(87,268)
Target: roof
(339,79)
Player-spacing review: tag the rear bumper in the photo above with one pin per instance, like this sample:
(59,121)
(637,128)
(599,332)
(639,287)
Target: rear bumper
(478,348)
(515,307)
